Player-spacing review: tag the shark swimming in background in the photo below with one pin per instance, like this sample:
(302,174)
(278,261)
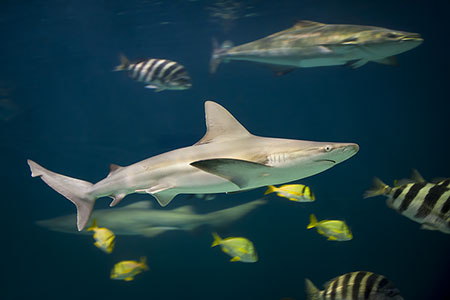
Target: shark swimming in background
(140,219)
(227,159)
(313,44)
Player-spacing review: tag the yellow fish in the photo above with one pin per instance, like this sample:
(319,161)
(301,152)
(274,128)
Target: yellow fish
(294,192)
(335,230)
(104,238)
(239,248)
(127,269)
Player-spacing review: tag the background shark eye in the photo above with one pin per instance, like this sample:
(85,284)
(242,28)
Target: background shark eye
(327,148)
(392,35)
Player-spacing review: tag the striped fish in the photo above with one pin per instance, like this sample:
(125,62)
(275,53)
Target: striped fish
(423,202)
(158,74)
(359,285)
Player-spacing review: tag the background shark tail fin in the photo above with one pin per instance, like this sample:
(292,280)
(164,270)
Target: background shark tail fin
(215,58)
(75,190)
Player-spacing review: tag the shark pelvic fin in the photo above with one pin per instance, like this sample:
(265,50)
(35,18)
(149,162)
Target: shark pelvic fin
(164,198)
(235,170)
(221,125)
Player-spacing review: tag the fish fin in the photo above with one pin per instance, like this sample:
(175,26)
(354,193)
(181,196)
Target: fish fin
(143,262)
(76,190)
(236,258)
(270,189)
(116,199)
(312,221)
(162,192)
(378,188)
(390,61)
(128,278)
(416,177)
(332,238)
(159,89)
(97,244)
(221,125)
(306,23)
(151,86)
(217,239)
(187,209)
(94,226)
(164,198)
(426,226)
(235,170)
(124,63)
(294,199)
(139,205)
(356,64)
(312,293)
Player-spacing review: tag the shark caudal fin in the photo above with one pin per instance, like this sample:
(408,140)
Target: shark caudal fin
(75,190)
(218,51)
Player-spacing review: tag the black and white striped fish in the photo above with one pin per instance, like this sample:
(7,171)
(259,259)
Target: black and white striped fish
(158,74)
(423,202)
(359,285)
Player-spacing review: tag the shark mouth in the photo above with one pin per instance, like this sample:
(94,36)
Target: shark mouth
(326,160)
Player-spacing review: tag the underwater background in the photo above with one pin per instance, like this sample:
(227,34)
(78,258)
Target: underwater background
(68,111)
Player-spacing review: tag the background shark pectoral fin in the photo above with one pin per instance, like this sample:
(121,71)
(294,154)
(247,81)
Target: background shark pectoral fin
(235,170)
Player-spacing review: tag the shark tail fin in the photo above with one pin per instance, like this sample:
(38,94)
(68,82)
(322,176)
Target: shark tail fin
(217,239)
(312,293)
(75,190)
(312,221)
(124,63)
(143,262)
(378,188)
(218,51)
(93,227)
(270,189)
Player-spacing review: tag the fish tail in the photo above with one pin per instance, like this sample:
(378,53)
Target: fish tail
(312,221)
(270,189)
(312,293)
(217,239)
(75,190)
(215,57)
(309,194)
(94,226)
(143,262)
(378,188)
(124,63)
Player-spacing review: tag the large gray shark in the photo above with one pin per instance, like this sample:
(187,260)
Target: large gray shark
(140,219)
(227,159)
(313,44)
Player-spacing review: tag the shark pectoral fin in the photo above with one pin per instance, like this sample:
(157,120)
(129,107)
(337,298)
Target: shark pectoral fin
(390,61)
(235,170)
(117,198)
(357,64)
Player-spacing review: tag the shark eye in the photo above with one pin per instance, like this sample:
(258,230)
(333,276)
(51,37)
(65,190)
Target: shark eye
(392,35)
(327,148)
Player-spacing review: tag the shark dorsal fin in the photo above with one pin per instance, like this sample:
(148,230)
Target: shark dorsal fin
(139,205)
(220,125)
(187,209)
(306,23)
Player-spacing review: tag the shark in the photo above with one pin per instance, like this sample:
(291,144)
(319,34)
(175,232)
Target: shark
(313,44)
(228,158)
(141,218)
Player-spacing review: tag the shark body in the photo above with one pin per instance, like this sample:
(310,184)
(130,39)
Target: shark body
(140,218)
(313,44)
(227,159)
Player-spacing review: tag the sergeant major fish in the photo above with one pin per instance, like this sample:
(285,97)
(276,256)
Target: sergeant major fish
(359,285)
(239,248)
(312,44)
(425,203)
(335,230)
(293,192)
(227,159)
(158,74)
(127,269)
(104,238)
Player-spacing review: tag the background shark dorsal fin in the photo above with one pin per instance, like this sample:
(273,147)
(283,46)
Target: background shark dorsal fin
(220,124)
(139,205)
(306,23)
(187,209)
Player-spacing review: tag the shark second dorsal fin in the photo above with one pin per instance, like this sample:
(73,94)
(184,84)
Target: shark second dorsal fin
(220,125)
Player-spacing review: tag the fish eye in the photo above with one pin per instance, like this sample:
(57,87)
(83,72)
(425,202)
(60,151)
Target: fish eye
(327,148)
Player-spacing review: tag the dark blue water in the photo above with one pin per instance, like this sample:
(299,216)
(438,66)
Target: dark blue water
(76,117)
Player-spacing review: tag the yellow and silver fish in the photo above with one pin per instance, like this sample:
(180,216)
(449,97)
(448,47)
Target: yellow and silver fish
(293,192)
(359,285)
(104,238)
(127,269)
(335,230)
(423,202)
(239,248)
